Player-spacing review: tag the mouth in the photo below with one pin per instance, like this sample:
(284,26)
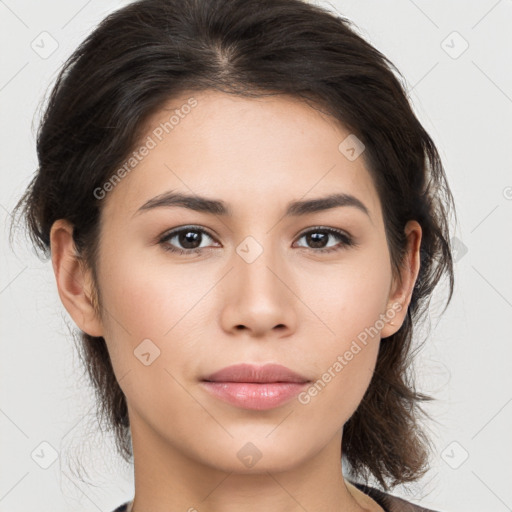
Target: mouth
(268,373)
(255,387)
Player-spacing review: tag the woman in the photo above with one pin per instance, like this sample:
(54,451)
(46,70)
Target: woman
(245,220)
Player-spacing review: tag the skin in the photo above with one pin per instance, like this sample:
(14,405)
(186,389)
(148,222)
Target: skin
(296,306)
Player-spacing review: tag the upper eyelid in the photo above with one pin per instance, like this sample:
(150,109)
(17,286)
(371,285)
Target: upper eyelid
(174,231)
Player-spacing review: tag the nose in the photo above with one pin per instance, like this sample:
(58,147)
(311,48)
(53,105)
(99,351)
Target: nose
(257,294)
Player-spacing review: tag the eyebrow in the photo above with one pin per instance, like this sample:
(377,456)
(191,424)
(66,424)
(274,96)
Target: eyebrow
(219,207)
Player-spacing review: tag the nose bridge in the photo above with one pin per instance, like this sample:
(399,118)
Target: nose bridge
(256,264)
(258,299)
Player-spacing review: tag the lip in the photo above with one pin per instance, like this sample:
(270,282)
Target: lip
(255,387)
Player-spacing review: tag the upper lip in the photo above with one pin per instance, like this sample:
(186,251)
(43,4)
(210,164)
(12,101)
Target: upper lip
(254,373)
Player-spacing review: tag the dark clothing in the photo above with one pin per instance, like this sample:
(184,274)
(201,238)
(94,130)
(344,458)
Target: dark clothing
(387,501)
(123,507)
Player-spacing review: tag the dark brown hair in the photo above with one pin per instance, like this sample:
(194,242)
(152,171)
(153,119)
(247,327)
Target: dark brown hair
(141,56)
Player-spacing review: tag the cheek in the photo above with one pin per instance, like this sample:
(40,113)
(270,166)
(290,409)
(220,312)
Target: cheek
(348,299)
(146,297)
(149,324)
(349,307)
(146,306)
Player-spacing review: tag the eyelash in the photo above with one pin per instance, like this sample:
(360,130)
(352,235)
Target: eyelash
(346,240)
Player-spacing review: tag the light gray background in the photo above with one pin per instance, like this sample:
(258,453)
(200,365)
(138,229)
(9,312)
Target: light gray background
(463,98)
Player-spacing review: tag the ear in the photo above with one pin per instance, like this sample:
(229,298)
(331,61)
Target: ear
(74,281)
(401,293)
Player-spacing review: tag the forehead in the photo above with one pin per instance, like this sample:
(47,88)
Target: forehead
(244,151)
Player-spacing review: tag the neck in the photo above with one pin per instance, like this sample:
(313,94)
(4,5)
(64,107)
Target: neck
(167,478)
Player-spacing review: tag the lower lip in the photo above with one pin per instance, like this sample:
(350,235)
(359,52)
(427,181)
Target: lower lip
(257,396)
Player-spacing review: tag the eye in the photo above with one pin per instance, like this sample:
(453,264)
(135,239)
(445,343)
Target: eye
(319,237)
(191,238)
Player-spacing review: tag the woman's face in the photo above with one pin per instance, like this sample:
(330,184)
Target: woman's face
(253,284)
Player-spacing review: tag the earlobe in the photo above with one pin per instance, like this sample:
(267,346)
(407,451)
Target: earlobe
(401,295)
(394,318)
(74,283)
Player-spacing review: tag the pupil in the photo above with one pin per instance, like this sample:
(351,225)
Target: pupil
(318,239)
(189,237)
